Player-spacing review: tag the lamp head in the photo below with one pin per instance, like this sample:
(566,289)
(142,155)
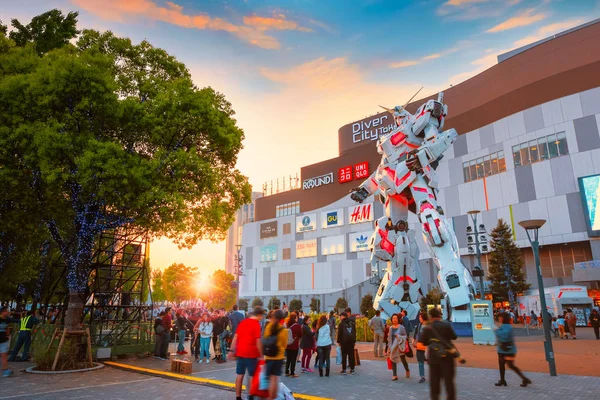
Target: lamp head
(473,212)
(532,224)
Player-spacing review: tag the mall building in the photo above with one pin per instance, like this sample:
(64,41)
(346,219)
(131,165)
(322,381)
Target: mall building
(529,148)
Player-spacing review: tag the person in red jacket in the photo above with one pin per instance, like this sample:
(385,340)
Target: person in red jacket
(291,352)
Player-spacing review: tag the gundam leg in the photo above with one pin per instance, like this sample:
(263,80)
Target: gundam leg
(454,279)
(393,244)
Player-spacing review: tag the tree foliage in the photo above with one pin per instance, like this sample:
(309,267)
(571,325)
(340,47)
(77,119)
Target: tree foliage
(505,270)
(48,31)
(243,304)
(179,282)
(158,293)
(366,305)
(274,302)
(341,304)
(433,297)
(315,305)
(257,302)
(295,305)
(105,133)
(219,292)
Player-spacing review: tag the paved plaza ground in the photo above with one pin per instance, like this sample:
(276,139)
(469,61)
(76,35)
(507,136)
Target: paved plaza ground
(575,358)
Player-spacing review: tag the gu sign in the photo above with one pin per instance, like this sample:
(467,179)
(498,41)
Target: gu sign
(360,213)
(317,181)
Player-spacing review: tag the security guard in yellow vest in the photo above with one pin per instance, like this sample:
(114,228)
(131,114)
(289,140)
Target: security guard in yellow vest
(24,337)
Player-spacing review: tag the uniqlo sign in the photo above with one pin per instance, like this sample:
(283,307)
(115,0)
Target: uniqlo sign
(361,171)
(345,174)
(349,173)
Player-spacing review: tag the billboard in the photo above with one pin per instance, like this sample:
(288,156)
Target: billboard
(332,219)
(268,229)
(306,248)
(359,241)
(306,223)
(317,181)
(367,130)
(589,187)
(268,253)
(360,213)
(332,245)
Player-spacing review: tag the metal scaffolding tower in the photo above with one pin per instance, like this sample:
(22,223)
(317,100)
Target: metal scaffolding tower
(120,297)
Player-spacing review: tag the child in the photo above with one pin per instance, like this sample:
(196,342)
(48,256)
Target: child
(554,327)
(561,327)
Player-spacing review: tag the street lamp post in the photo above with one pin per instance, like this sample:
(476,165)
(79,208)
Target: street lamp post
(238,271)
(532,227)
(473,214)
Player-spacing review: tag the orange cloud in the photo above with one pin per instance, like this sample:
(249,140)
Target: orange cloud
(403,64)
(525,18)
(253,30)
(549,30)
(278,23)
(458,3)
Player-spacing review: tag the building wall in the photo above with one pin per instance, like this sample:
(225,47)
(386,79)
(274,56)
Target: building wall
(243,216)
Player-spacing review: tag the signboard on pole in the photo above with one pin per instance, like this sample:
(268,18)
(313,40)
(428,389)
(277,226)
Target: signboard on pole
(482,322)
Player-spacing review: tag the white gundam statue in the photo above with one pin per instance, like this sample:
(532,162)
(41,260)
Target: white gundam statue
(406,181)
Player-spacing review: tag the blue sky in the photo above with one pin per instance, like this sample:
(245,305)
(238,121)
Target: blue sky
(295,71)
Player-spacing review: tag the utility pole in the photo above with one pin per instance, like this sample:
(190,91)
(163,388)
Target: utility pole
(238,271)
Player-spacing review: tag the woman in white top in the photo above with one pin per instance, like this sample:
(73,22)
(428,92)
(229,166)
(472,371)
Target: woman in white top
(204,328)
(323,344)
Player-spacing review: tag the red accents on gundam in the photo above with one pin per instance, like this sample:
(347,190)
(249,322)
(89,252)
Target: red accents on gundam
(390,172)
(399,198)
(431,196)
(437,224)
(385,243)
(375,182)
(404,278)
(426,206)
(409,144)
(400,181)
(397,138)
(426,227)
(419,189)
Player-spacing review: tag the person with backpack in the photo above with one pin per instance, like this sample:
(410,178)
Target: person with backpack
(158,330)
(346,338)
(423,319)
(438,336)
(571,320)
(324,343)
(507,350)
(306,344)
(274,345)
(293,344)
(398,342)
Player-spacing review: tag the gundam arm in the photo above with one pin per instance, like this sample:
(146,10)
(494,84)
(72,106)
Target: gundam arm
(431,150)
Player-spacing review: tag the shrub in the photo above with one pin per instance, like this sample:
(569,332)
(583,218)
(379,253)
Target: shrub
(341,304)
(274,302)
(257,302)
(243,304)
(295,305)
(315,305)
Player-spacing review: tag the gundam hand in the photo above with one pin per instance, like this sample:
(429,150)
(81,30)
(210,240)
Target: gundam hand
(412,161)
(359,194)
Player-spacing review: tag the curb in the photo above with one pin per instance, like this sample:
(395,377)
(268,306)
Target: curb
(196,380)
(96,367)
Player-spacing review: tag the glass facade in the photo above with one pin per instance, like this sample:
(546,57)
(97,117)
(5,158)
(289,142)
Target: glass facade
(540,149)
(491,164)
(287,209)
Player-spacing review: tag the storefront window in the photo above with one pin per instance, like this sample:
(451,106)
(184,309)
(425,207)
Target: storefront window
(552,146)
(494,163)
(533,151)
(516,155)
(473,169)
(525,154)
(501,161)
(543,148)
(484,166)
(480,168)
(487,166)
(561,138)
(466,171)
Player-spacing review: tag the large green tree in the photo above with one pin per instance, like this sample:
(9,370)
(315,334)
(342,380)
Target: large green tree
(105,133)
(179,282)
(505,269)
(219,291)
(158,293)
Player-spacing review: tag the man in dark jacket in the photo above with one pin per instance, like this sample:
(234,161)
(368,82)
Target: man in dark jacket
(439,367)
(235,318)
(346,338)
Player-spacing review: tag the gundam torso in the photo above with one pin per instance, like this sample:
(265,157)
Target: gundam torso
(406,181)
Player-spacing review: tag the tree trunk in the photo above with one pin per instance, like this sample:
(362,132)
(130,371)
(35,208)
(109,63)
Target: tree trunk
(74,312)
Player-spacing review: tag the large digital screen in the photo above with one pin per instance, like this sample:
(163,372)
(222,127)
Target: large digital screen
(589,186)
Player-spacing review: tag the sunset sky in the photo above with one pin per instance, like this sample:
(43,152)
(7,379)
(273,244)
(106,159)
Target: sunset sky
(295,71)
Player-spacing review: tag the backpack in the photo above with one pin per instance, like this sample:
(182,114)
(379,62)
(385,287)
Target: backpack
(291,338)
(270,344)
